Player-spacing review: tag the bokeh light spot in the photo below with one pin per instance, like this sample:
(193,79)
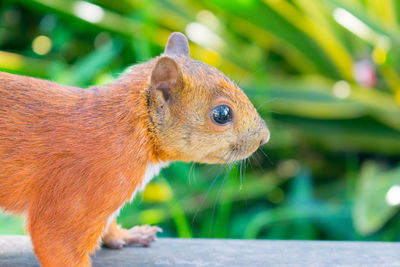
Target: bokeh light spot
(341,89)
(207,18)
(41,45)
(156,192)
(203,36)
(288,168)
(352,23)
(379,55)
(88,11)
(364,73)
(393,195)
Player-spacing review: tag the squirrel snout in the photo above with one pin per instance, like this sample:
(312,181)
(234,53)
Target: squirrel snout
(263,141)
(265,135)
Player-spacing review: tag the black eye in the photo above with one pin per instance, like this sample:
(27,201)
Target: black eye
(222,114)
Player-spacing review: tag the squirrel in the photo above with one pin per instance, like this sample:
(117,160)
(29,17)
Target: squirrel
(71,157)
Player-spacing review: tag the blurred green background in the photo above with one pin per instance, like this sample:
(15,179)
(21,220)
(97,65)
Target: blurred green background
(323,74)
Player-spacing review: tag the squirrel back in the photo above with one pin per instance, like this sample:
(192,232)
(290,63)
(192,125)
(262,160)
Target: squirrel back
(47,130)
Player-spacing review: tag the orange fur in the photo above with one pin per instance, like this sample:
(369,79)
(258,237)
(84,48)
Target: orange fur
(70,157)
(59,148)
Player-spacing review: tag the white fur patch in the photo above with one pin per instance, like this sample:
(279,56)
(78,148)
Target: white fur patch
(152,170)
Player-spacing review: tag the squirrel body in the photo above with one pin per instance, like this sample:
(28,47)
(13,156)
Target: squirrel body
(70,157)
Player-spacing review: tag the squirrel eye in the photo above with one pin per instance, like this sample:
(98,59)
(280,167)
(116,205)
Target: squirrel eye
(221,115)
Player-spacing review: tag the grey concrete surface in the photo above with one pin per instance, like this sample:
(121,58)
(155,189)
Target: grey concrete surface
(17,251)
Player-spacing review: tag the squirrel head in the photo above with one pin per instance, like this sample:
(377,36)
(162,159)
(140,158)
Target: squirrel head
(198,114)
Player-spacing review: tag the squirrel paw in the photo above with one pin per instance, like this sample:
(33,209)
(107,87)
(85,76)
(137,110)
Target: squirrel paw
(120,237)
(143,234)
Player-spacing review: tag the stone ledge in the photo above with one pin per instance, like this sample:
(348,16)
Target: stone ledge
(17,251)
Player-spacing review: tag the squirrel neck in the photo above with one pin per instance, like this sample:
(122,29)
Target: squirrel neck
(128,97)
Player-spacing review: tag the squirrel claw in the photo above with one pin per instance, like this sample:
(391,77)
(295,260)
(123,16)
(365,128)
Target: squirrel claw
(115,244)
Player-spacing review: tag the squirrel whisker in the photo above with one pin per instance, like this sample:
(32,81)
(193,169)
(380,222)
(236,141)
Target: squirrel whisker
(231,154)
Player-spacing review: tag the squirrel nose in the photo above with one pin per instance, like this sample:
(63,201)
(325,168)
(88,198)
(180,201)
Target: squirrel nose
(265,135)
(263,141)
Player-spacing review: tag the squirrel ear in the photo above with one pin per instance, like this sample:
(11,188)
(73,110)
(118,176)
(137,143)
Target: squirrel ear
(165,76)
(177,45)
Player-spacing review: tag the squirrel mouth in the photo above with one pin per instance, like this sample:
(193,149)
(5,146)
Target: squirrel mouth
(233,153)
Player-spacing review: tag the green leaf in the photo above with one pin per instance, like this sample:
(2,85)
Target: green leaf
(268,19)
(371,21)
(85,69)
(372,207)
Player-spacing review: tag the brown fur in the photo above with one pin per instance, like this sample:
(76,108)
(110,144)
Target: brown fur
(69,157)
